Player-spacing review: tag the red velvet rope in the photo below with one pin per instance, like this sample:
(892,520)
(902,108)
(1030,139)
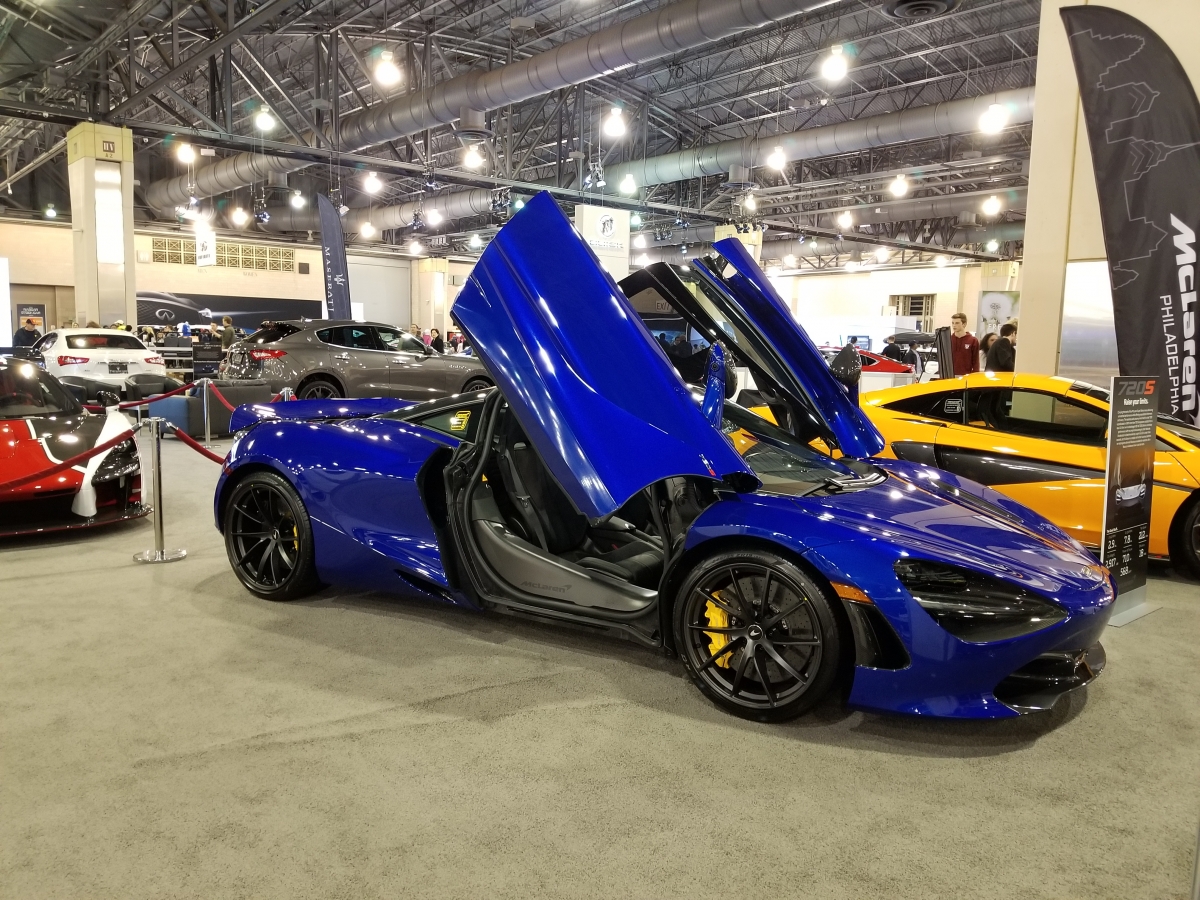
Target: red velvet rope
(67,464)
(129,404)
(212,387)
(194,444)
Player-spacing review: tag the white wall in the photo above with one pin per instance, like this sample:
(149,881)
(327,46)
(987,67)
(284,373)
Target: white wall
(177,278)
(383,285)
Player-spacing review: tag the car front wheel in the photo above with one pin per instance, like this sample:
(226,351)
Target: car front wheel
(757,635)
(268,538)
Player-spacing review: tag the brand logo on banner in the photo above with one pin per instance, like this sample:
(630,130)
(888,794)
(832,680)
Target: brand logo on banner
(206,249)
(1143,123)
(607,226)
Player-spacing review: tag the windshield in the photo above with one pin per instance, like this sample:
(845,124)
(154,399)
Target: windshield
(25,390)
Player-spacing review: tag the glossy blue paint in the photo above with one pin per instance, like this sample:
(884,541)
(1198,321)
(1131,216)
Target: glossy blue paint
(754,295)
(329,408)
(713,404)
(592,389)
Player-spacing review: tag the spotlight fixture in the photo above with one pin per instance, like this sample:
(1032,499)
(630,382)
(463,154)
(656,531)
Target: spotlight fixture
(475,242)
(790,260)
(749,203)
(882,255)
(262,217)
(518,204)
(992,246)
(681,222)
(371,184)
(992,206)
(852,265)
(501,200)
(777,160)
(802,238)
(472,158)
(50,212)
(418,221)
(387,73)
(595,176)
(640,242)
(835,66)
(367,231)
(186,154)
(635,220)
(297,200)
(683,249)
(264,121)
(239,217)
(845,221)
(899,186)
(941,262)
(627,185)
(994,119)
(415,247)
(642,260)
(434,218)
(614,125)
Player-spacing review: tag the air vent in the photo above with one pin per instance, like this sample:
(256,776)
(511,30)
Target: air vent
(914,10)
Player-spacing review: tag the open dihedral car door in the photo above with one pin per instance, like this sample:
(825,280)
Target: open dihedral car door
(591,388)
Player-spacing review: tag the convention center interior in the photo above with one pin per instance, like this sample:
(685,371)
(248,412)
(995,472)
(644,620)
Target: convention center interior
(599,448)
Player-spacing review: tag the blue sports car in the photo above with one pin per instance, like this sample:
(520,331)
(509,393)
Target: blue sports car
(592,486)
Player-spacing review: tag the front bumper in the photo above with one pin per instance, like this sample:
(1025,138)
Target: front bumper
(1036,687)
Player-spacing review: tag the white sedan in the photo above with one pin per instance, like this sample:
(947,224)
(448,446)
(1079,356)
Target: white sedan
(106,355)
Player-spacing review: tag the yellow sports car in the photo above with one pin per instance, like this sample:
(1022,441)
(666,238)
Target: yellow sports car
(1042,441)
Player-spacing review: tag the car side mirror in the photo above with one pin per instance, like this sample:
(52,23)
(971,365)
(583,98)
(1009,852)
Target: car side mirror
(107,399)
(428,350)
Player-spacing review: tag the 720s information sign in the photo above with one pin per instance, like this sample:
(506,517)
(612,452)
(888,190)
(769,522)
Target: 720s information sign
(1129,481)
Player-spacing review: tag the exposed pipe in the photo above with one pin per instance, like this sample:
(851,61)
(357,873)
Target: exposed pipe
(669,29)
(939,207)
(456,205)
(916,124)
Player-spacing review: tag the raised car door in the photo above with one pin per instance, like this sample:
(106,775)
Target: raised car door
(413,372)
(1038,447)
(359,361)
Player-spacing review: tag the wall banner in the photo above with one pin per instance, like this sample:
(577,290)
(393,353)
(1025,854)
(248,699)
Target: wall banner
(333,259)
(1143,123)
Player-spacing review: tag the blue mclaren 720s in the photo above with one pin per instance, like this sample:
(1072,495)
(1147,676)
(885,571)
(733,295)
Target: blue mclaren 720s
(592,485)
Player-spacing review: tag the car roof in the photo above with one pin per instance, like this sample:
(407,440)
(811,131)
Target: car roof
(326,323)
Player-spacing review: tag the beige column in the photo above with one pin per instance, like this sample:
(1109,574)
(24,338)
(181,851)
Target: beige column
(430,305)
(100,172)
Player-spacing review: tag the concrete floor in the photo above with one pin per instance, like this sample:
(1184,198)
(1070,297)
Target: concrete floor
(165,734)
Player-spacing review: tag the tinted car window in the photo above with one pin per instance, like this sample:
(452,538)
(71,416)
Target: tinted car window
(946,405)
(356,337)
(275,331)
(1036,414)
(47,342)
(104,342)
(400,340)
(25,390)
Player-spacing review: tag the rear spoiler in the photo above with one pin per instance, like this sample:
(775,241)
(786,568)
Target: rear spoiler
(307,410)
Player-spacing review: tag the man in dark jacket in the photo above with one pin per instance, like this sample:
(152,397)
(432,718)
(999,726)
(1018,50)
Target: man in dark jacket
(27,336)
(1003,355)
(891,349)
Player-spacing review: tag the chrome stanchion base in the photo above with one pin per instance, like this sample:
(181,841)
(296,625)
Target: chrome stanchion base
(159,556)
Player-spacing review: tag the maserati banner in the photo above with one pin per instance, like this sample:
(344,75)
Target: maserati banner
(333,259)
(1143,124)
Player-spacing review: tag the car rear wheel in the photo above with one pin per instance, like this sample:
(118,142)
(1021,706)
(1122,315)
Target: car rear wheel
(268,538)
(476,384)
(318,389)
(1186,552)
(757,635)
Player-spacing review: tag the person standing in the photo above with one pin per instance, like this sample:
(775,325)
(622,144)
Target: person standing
(436,342)
(27,335)
(228,335)
(1003,355)
(964,346)
(891,349)
(912,358)
(985,344)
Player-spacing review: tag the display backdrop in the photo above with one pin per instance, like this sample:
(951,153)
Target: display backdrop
(160,308)
(1143,123)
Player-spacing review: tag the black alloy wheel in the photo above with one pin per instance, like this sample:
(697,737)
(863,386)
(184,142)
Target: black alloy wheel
(268,538)
(757,635)
(1185,554)
(319,389)
(476,384)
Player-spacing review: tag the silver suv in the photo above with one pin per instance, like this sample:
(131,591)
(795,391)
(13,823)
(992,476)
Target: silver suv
(334,358)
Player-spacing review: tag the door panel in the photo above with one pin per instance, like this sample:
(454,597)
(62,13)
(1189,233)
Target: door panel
(354,355)
(411,374)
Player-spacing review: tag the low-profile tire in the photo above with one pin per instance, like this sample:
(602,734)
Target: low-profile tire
(1185,549)
(318,389)
(476,384)
(269,539)
(770,661)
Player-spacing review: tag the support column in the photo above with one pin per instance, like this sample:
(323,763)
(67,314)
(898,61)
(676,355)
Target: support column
(100,171)
(429,306)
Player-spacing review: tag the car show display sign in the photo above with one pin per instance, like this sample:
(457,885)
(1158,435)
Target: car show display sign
(1129,490)
(1143,123)
(206,249)
(333,261)
(35,311)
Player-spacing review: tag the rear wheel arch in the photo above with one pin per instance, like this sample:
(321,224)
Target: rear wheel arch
(321,376)
(239,475)
(482,380)
(1181,556)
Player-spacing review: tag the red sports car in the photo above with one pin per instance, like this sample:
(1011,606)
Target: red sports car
(872,362)
(41,425)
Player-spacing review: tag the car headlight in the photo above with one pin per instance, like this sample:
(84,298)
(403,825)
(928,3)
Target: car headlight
(975,607)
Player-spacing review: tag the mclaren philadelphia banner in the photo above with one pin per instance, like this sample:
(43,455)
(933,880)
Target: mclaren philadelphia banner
(1143,125)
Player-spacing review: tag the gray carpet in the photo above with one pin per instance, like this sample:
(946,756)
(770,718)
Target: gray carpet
(165,734)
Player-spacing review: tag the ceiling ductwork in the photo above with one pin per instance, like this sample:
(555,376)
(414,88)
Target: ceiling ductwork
(910,11)
(966,206)
(916,124)
(457,205)
(653,35)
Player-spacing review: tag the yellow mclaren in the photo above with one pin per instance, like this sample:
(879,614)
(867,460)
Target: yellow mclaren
(1042,441)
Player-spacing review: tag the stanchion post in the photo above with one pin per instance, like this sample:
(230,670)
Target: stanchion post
(287,394)
(159,554)
(207,419)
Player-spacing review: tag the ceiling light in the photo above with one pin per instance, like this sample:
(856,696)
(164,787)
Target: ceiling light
(845,221)
(415,247)
(473,159)
(992,206)
(434,217)
(475,242)
(614,125)
(777,160)
(941,262)
(640,242)
(518,203)
(50,212)
(835,66)
(683,249)
(387,73)
(853,265)
(899,186)
(882,255)
(994,119)
(264,121)
(297,200)
(239,217)
(790,261)
(185,154)
(642,260)
(749,203)
(372,184)
(685,268)
(367,230)
(627,185)
(993,245)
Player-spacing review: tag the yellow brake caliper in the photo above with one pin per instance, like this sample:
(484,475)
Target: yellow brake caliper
(717,618)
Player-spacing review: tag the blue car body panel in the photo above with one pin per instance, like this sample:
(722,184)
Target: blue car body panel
(609,423)
(755,297)
(590,386)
